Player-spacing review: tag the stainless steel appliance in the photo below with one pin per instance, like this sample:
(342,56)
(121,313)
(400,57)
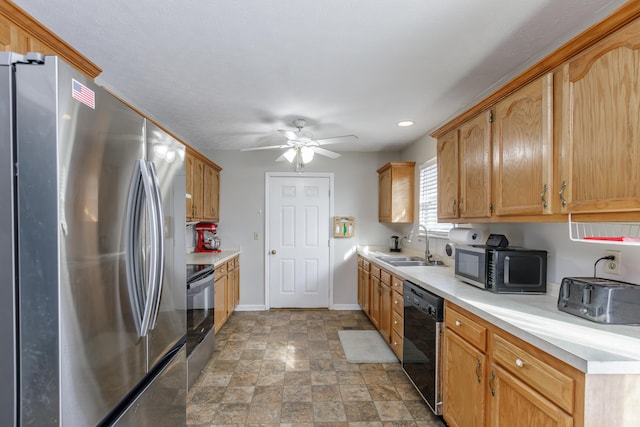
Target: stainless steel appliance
(600,300)
(421,354)
(92,252)
(200,305)
(502,270)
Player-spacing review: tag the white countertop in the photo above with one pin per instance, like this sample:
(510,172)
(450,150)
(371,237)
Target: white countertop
(214,258)
(588,346)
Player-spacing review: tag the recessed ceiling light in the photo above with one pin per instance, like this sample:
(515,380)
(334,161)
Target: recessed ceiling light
(405,123)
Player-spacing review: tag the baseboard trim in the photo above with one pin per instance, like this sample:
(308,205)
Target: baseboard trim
(346,307)
(243,307)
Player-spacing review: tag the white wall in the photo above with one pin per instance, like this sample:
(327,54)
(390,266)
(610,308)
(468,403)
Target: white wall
(242,213)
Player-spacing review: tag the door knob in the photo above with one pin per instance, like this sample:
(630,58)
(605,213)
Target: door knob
(273,252)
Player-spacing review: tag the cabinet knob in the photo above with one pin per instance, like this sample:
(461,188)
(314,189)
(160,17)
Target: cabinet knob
(519,363)
(396,302)
(458,323)
(395,322)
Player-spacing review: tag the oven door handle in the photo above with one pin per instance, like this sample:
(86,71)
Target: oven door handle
(202,282)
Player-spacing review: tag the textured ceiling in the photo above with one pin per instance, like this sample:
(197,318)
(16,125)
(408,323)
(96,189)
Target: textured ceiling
(225,74)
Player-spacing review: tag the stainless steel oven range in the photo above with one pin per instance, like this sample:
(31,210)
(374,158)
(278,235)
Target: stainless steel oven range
(423,315)
(200,306)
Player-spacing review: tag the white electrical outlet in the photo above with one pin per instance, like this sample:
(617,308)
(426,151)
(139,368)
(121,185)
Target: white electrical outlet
(613,266)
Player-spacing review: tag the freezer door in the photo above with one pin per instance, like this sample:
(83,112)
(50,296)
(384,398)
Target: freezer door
(169,323)
(163,402)
(7,252)
(81,353)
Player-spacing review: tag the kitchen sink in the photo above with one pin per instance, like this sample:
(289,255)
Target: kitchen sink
(403,261)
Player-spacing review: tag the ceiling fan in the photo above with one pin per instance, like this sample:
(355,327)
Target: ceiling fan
(301,146)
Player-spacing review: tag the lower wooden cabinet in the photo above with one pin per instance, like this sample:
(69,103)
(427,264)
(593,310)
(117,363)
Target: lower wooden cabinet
(380,297)
(492,378)
(226,291)
(463,383)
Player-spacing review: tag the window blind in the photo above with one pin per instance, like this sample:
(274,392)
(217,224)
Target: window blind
(429,199)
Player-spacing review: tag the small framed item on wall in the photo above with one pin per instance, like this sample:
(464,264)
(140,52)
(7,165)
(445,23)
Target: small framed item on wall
(343,226)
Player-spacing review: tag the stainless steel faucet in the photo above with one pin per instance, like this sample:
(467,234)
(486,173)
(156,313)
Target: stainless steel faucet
(428,258)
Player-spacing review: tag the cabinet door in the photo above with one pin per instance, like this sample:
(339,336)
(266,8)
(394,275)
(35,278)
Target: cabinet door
(601,130)
(384,196)
(523,151)
(211,193)
(220,302)
(384,325)
(475,167)
(189,165)
(513,403)
(236,283)
(448,176)
(366,292)
(374,309)
(197,196)
(360,284)
(463,384)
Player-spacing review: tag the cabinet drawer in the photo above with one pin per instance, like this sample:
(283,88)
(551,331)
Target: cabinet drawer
(550,382)
(220,271)
(467,328)
(231,265)
(397,323)
(385,277)
(365,264)
(396,284)
(375,271)
(396,344)
(396,303)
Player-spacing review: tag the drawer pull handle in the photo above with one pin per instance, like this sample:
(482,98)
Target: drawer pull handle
(519,363)
(478,371)
(458,323)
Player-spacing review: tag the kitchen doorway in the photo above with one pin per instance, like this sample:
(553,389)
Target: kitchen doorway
(298,245)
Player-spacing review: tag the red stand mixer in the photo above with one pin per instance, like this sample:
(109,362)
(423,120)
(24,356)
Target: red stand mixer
(207,239)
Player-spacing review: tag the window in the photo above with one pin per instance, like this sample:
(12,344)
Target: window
(429,199)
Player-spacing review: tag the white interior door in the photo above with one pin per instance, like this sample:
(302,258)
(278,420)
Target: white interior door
(298,251)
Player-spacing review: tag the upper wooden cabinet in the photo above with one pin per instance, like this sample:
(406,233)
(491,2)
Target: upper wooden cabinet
(396,183)
(523,151)
(601,129)
(20,33)
(203,187)
(475,167)
(448,176)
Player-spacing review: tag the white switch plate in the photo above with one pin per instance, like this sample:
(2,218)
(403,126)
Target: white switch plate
(613,266)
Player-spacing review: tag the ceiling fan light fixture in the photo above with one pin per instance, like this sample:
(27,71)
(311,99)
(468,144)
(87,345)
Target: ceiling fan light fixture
(307,154)
(405,123)
(290,154)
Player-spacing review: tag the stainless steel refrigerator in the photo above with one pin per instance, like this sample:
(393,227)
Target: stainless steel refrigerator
(92,244)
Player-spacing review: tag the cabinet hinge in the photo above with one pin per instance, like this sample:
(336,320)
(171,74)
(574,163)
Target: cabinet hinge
(490,208)
(490,116)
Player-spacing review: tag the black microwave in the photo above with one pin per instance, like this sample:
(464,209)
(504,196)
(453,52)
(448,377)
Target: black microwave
(502,270)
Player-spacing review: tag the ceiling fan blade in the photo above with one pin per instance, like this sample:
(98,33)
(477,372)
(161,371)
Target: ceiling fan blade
(269,147)
(323,152)
(336,139)
(289,134)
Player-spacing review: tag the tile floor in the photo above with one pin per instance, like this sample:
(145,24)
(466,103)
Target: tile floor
(287,367)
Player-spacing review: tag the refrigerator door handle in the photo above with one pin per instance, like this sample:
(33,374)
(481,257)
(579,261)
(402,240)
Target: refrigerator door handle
(142,300)
(157,202)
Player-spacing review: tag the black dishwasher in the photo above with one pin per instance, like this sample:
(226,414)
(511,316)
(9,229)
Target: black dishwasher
(423,314)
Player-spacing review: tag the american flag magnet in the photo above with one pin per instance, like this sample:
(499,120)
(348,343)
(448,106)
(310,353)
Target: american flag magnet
(83,94)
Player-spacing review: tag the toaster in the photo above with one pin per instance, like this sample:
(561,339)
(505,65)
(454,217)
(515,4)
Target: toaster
(600,300)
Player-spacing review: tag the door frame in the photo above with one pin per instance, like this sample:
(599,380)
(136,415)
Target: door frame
(267,200)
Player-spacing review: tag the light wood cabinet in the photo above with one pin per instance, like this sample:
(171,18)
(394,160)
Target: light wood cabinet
(601,107)
(375,295)
(464,370)
(380,296)
(203,185)
(220,298)
(395,192)
(448,184)
(514,403)
(492,378)
(523,151)
(20,33)
(475,167)
(211,194)
(226,291)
